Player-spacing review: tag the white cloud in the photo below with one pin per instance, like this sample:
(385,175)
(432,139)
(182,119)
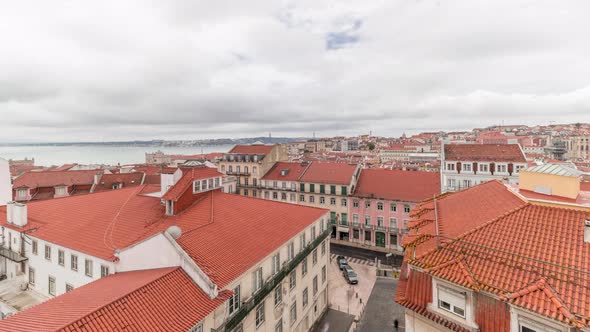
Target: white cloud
(183,69)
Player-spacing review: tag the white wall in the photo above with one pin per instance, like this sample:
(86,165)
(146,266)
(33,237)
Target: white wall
(153,253)
(5,184)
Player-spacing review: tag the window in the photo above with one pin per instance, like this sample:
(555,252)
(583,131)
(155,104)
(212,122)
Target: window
(275,184)
(501,168)
(34,247)
(276,263)
(230,169)
(380,206)
(60,257)
(302,242)
(245,169)
(284,196)
(322,189)
(313,235)
(302,187)
(204,185)
(47,252)
(197,186)
(305,299)
(332,201)
(275,195)
(450,166)
(293,312)
(367,220)
(367,235)
(380,221)
(324,274)
(466,167)
(69,288)
(312,188)
(315,285)
(22,193)
(343,202)
(322,200)
(88,267)
(292,197)
(32,276)
(393,207)
(279,326)
(292,280)
(246,181)
(343,191)
(217,182)
(405,224)
(257,279)
(466,183)
(452,301)
(302,198)
(104,271)
(266,195)
(367,204)
(260,315)
(355,203)
(323,248)
(355,218)
(51,285)
(234,301)
(238,169)
(311,199)
(314,257)
(484,167)
(291,251)
(406,208)
(74,262)
(304,267)
(333,190)
(393,223)
(60,191)
(254,169)
(279,294)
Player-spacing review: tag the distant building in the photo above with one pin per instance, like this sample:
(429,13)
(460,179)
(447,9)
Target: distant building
(466,165)
(248,163)
(578,147)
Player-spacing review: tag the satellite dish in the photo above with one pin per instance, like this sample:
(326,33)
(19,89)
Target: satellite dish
(174,231)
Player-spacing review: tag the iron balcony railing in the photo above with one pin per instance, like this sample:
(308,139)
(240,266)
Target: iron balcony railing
(249,305)
(237,173)
(381,228)
(368,226)
(12,255)
(355,224)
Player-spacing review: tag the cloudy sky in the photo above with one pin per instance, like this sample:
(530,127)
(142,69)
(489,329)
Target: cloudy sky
(113,70)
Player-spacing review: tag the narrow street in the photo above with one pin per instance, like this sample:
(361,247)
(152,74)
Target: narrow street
(381,309)
(395,260)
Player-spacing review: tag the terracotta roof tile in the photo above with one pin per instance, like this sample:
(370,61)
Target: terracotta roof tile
(149,300)
(252,149)
(398,185)
(54,178)
(293,170)
(329,173)
(484,152)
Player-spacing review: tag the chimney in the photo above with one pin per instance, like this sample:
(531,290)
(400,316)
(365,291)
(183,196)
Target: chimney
(587,231)
(16,214)
(5,183)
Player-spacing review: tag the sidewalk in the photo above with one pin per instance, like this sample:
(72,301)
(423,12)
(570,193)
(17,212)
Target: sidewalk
(334,321)
(381,308)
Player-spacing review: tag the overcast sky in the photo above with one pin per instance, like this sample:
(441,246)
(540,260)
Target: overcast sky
(115,70)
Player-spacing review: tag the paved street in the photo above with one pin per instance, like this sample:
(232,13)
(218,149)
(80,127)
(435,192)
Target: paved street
(347,298)
(395,260)
(381,308)
(335,321)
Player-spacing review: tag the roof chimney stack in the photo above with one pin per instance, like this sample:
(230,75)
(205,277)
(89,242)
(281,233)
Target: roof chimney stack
(16,214)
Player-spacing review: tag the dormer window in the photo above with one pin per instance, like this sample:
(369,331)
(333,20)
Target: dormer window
(60,191)
(22,193)
(484,168)
(217,182)
(452,301)
(197,186)
(587,231)
(204,185)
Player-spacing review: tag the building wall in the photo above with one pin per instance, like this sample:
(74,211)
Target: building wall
(274,314)
(417,323)
(45,268)
(464,179)
(5,183)
(564,186)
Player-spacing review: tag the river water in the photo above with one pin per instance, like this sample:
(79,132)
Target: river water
(96,154)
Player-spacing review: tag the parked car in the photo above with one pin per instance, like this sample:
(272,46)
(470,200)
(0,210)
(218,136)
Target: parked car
(350,275)
(341,262)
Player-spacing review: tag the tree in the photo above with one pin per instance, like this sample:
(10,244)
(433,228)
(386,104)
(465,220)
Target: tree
(371,146)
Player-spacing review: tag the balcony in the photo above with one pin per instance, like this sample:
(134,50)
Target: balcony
(355,224)
(368,227)
(381,228)
(393,230)
(12,255)
(239,173)
(270,285)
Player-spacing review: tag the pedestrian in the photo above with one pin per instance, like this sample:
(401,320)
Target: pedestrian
(396,324)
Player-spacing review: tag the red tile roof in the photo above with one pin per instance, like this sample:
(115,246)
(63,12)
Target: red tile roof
(98,224)
(252,149)
(533,257)
(398,185)
(107,181)
(149,300)
(458,213)
(186,181)
(484,152)
(294,171)
(54,178)
(63,167)
(329,173)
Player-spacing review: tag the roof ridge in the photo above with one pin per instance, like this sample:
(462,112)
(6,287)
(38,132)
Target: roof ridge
(125,294)
(305,170)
